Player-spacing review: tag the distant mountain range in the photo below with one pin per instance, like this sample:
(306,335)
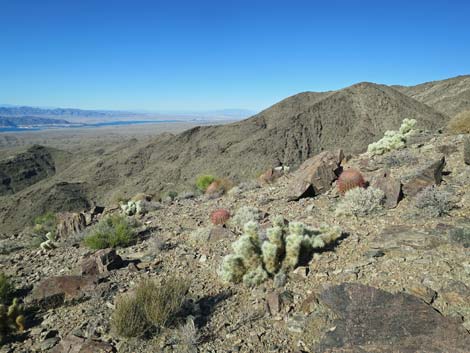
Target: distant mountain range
(30,121)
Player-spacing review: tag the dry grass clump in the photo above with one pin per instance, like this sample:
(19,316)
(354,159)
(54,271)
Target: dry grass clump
(460,124)
(150,306)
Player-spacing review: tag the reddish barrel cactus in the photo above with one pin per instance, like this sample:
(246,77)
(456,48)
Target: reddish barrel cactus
(350,179)
(220,216)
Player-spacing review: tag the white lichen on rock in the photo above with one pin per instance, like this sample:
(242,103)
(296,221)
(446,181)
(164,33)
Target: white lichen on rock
(393,140)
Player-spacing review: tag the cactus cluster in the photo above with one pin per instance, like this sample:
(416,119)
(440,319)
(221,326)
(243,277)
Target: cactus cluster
(393,140)
(139,207)
(253,260)
(11,319)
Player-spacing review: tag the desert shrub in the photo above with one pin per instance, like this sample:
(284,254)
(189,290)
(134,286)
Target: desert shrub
(254,260)
(199,236)
(360,202)
(188,337)
(172,194)
(460,124)
(434,202)
(111,232)
(203,181)
(6,289)
(393,140)
(45,224)
(150,306)
(246,214)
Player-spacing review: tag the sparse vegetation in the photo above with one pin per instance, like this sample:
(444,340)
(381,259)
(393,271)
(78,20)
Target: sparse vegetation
(6,289)
(434,202)
(461,235)
(188,337)
(460,124)
(11,319)
(254,261)
(360,202)
(203,182)
(246,214)
(150,306)
(44,224)
(393,140)
(111,232)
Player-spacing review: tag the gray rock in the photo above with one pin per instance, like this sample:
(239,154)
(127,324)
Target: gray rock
(101,262)
(366,319)
(74,344)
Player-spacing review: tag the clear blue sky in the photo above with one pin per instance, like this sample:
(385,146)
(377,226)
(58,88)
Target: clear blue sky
(199,55)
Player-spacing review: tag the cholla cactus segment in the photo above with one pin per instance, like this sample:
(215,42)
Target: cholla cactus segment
(393,140)
(48,244)
(248,251)
(11,319)
(293,246)
(275,236)
(278,221)
(330,233)
(271,259)
(255,277)
(246,214)
(232,269)
(297,228)
(252,230)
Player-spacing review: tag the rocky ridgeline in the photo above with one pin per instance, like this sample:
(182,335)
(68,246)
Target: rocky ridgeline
(394,276)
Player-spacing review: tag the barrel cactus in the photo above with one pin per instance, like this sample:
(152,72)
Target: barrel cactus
(350,179)
(220,216)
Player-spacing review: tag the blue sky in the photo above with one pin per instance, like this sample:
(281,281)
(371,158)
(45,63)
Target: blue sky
(200,55)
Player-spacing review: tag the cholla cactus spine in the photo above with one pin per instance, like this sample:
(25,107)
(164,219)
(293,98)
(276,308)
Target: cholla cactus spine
(271,259)
(248,251)
(255,277)
(232,269)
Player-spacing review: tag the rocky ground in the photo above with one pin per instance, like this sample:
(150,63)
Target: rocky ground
(397,281)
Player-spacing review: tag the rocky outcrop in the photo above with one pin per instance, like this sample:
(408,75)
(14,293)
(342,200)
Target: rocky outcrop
(316,175)
(69,223)
(366,319)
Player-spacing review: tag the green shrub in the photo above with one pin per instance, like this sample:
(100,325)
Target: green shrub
(172,194)
(6,289)
(111,232)
(203,181)
(150,306)
(45,224)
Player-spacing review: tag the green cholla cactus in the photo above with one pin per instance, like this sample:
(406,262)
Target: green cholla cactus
(11,319)
(253,262)
(255,277)
(393,140)
(48,244)
(232,269)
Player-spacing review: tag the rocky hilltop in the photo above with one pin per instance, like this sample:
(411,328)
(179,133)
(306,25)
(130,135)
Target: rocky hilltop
(286,134)
(396,277)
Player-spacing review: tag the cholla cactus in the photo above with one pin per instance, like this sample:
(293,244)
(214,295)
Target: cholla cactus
(253,262)
(11,319)
(393,140)
(48,244)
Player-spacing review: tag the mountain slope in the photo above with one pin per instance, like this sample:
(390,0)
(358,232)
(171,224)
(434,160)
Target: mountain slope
(287,133)
(449,97)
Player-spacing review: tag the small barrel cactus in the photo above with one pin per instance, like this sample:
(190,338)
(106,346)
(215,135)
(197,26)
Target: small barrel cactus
(220,216)
(350,179)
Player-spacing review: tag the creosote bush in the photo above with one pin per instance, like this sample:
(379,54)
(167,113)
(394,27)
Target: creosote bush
(253,261)
(203,181)
(360,202)
(151,306)
(111,232)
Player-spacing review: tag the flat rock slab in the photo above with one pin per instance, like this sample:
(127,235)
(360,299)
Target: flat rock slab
(390,186)
(405,239)
(54,291)
(74,344)
(368,319)
(316,175)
